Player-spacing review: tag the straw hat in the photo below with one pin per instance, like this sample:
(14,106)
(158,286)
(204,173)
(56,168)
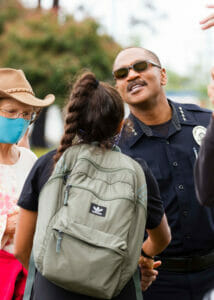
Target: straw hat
(14,85)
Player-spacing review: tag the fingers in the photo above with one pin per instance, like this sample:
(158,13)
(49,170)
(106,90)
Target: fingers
(208,21)
(146,262)
(207,26)
(145,285)
(156,264)
(148,276)
(148,273)
(210,17)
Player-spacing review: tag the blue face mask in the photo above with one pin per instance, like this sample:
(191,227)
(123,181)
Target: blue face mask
(12,130)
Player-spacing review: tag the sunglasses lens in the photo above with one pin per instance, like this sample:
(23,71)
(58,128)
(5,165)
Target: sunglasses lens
(140,66)
(121,73)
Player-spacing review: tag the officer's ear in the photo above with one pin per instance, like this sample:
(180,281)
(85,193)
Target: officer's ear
(163,77)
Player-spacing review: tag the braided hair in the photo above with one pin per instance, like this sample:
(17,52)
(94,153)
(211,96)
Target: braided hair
(95,111)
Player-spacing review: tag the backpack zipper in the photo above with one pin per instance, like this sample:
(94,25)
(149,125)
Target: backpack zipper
(67,189)
(96,195)
(59,241)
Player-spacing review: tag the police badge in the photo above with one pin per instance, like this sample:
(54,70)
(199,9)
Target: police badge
(199,133)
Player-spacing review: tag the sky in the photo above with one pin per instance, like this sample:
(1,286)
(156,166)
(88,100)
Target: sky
(177,40)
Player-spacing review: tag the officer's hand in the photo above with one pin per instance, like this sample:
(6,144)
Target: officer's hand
(148,274)
(208,21)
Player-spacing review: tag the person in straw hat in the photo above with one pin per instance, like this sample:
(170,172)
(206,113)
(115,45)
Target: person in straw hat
(19,107)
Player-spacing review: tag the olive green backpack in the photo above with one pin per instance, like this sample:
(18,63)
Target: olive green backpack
(91,221)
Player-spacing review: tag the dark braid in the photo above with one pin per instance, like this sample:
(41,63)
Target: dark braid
(94,113)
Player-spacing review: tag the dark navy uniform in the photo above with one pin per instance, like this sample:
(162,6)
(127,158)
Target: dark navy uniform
(188,262)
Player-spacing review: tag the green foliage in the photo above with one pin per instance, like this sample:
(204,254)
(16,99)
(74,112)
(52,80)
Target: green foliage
(52,53)
(177,82)
(40,151)
(191,82)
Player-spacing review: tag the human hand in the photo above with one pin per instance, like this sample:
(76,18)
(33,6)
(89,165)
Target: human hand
(11,223)
(148,273)
(208,21)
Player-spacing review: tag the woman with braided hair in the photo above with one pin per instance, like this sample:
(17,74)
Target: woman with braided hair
(95,112)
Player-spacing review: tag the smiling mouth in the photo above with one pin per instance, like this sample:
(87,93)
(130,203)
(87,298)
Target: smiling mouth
(136,88)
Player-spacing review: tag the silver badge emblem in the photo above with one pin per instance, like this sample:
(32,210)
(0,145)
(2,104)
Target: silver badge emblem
(199,133)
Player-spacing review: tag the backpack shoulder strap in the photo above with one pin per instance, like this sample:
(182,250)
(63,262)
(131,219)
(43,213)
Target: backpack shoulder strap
(30,278)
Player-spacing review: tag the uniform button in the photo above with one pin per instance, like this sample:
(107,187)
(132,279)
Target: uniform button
(175,164)
(181,187)
(167,142)
(187,237)
(185,213)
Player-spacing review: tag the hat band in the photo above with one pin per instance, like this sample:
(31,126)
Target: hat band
(17,90)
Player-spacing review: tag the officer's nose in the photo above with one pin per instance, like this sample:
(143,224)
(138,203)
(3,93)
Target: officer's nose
(132,75)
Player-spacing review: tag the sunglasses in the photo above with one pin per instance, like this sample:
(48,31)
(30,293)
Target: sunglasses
(139,67)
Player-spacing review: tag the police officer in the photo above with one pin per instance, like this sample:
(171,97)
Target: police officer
(167,135)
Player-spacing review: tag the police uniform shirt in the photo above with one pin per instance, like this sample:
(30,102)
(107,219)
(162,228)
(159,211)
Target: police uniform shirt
(171,159)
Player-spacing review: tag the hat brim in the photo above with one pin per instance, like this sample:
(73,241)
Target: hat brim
(29,99)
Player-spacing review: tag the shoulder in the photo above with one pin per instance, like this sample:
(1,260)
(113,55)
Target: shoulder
(48,156)
(191,107)
(27,153)
(42,167)
(45,160)
(41,171)
(26,160)
(194,114)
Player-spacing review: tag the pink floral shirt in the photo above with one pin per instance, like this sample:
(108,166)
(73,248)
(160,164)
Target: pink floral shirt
(12,178)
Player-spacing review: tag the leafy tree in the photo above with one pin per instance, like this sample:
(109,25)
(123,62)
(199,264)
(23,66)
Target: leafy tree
(52,53)
(177,82)
(195,82)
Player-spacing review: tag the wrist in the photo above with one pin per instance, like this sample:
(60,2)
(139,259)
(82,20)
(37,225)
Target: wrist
(146,255)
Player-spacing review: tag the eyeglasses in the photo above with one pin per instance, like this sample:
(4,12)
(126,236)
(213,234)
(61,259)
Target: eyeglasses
(139,67)
(15,115)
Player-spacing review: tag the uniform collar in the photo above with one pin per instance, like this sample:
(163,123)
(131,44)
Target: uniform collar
(180,116)
(184,114)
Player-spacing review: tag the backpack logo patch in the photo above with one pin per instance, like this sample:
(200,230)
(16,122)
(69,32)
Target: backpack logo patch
(97,210)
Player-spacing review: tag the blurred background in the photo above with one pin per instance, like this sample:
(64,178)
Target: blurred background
(52,40)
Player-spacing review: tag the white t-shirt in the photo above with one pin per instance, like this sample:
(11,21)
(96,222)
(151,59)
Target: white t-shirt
(12,178)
